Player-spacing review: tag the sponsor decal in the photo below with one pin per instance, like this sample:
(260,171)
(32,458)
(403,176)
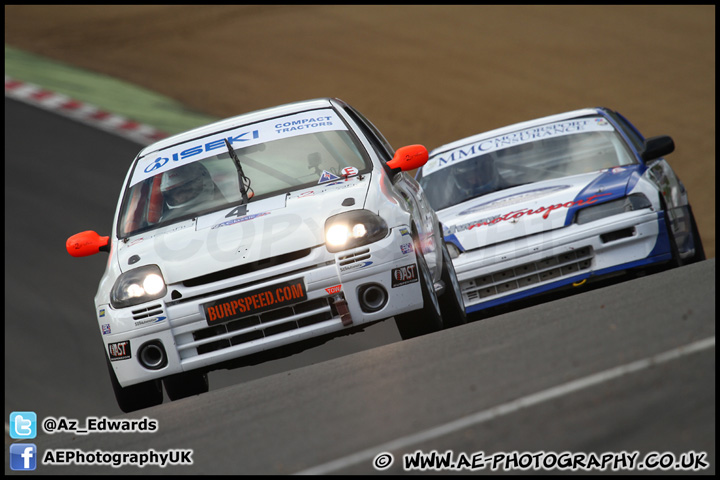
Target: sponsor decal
(327,177)
(348,172)
(334,183)
(404,275)
(312,123)
(354,266)
(254,302)
(602,122)
(334,290)
(240,220)
(404,231)
(160,162)
(149,320)
(529,135)
(102,312)
(452,229)
(516,214)
(514,199)
(106,329)
(406,248)
(119,350)
(245,136)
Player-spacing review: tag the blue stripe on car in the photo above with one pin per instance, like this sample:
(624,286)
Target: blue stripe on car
(617,183)
(454,240)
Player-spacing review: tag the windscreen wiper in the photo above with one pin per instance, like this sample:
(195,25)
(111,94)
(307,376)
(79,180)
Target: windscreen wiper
(241,175)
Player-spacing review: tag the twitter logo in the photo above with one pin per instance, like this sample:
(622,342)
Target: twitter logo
(23,425)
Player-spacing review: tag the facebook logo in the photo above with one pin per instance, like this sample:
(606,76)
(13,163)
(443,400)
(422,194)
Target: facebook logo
(23,425)
(23,456)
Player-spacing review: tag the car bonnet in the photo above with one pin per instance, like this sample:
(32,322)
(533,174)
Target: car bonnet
(227,238)
(531,209)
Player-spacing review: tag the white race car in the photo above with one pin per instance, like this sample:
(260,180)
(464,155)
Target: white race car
(557,202)
(261,235)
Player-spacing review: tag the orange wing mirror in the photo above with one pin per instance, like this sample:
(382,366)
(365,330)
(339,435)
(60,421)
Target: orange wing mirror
(87,243)
(409,158)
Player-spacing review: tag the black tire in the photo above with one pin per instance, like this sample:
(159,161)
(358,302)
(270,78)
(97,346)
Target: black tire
(186,384)
(429,319)
(675,260)
(452,306)
(699,255)
(138,396)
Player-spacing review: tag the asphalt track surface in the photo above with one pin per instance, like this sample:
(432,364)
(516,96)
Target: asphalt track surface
(625,368)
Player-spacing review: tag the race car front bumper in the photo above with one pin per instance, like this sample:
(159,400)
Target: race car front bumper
(323,294)
(510,271)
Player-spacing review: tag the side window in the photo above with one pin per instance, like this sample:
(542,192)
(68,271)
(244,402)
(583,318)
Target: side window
(379,144)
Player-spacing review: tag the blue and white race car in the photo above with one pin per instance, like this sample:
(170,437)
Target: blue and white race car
(557,202)
(261,235)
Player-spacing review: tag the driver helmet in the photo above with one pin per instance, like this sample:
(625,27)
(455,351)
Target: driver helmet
(187,185)
(477,176)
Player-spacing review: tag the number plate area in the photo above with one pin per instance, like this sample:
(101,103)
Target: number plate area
(257,301)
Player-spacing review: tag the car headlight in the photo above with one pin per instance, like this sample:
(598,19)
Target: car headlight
(138,286)
(353,229)
(636,201)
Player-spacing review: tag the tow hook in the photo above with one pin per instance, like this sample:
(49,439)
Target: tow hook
(342,308)
(581,282)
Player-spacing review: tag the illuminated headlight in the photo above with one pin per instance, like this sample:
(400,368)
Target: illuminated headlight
(630,203)
(353,229)
(138,286)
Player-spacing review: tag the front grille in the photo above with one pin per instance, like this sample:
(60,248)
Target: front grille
(264,325)
(355,257)
(147,312)
(527,275)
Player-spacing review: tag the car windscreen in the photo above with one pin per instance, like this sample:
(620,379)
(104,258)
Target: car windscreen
(527,156)
(276,157)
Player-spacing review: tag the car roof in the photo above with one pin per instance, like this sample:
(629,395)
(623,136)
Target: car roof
(516,126)
(245,118)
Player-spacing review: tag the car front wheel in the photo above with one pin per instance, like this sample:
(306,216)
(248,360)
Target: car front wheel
(138,396)
(451,302)
(675,260)
(186,384)
(429,319)
(699,254)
